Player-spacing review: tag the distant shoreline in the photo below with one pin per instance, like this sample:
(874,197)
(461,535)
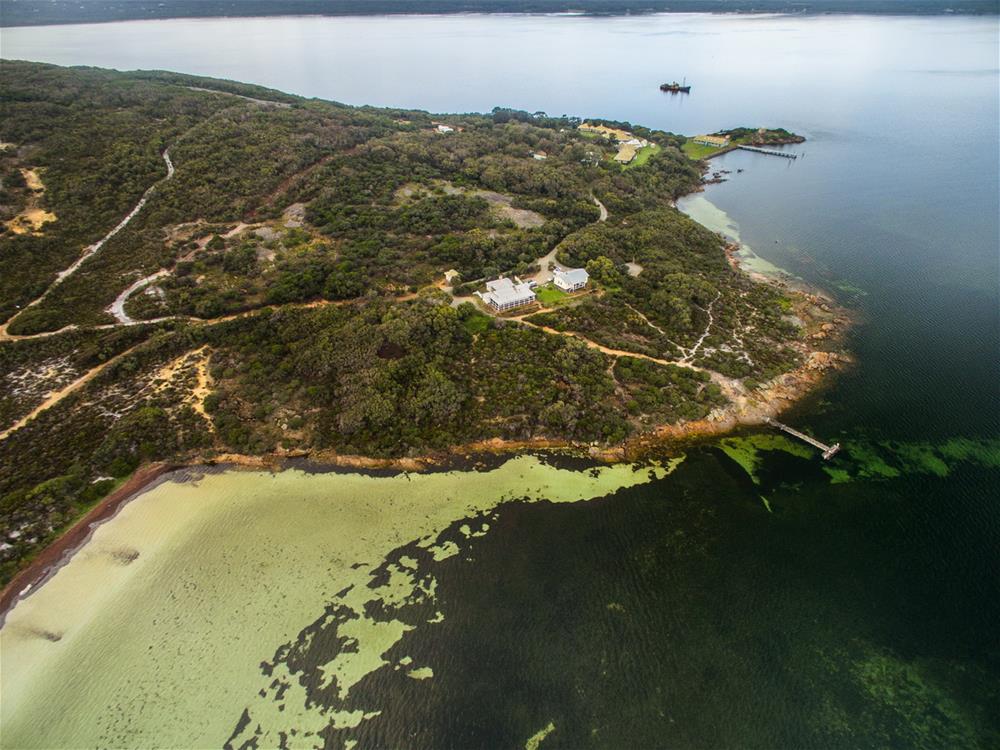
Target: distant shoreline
(18,13)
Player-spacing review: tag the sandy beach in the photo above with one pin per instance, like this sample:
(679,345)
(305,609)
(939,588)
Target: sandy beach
(50,559)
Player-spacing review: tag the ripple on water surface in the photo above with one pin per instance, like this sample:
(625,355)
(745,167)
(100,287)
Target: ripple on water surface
(171,648)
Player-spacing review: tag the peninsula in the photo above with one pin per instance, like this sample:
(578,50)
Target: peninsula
(196,270)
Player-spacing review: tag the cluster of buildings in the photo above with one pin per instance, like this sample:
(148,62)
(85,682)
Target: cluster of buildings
(612,133)
(627,150)
(628,144)
(505,294)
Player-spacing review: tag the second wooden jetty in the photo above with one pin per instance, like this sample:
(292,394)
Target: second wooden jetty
(829,451)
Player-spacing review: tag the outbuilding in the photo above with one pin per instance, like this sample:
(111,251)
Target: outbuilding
(570,279)
(626,153)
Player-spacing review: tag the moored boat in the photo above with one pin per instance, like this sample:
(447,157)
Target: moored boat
(676,88)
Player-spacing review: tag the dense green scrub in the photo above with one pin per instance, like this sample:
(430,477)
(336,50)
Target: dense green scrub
(97,137)
(30,369)
(245,154)
(684,279)
(297,243)
(377,378)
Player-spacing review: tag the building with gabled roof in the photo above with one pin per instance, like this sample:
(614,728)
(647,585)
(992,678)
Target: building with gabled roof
(719,141)
(626,153)
(570,279)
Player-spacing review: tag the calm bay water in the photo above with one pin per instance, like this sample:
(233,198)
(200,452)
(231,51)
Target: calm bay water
(753,597)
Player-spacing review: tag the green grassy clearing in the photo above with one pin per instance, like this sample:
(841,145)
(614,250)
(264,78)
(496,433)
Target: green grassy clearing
(698,151)
(476,323)
(549,295)
(642,156)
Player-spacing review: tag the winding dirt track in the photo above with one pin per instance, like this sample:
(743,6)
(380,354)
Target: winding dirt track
(56,396)
(117,307)
(96,247)
(697,344)
(604,211)
(123,319)
(613,352)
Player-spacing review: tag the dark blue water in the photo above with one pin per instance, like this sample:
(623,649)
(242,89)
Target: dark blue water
(853,604)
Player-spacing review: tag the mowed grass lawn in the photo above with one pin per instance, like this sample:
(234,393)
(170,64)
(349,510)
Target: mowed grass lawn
(698,150)
(549,296)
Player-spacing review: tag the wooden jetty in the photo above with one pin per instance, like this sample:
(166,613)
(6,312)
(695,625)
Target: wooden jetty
(783,154)
(829,451)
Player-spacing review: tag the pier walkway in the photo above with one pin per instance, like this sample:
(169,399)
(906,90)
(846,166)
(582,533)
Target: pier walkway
(829,451)
(769,152)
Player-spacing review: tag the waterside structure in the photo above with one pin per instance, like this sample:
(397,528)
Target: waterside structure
(829,451)
(716,141)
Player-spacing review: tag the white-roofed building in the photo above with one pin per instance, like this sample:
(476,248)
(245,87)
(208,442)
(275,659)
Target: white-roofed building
(504,294)
(570,279)
(718,141)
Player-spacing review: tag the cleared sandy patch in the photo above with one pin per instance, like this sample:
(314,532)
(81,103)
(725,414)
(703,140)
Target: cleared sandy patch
(179,372)
(501,205)
(32,179)
(31,219)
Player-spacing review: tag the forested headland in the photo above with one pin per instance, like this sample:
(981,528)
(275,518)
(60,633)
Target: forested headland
(282,290)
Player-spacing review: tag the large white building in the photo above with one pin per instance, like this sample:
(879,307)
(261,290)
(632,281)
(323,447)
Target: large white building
(504,294)
(718,141)
(570,279)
